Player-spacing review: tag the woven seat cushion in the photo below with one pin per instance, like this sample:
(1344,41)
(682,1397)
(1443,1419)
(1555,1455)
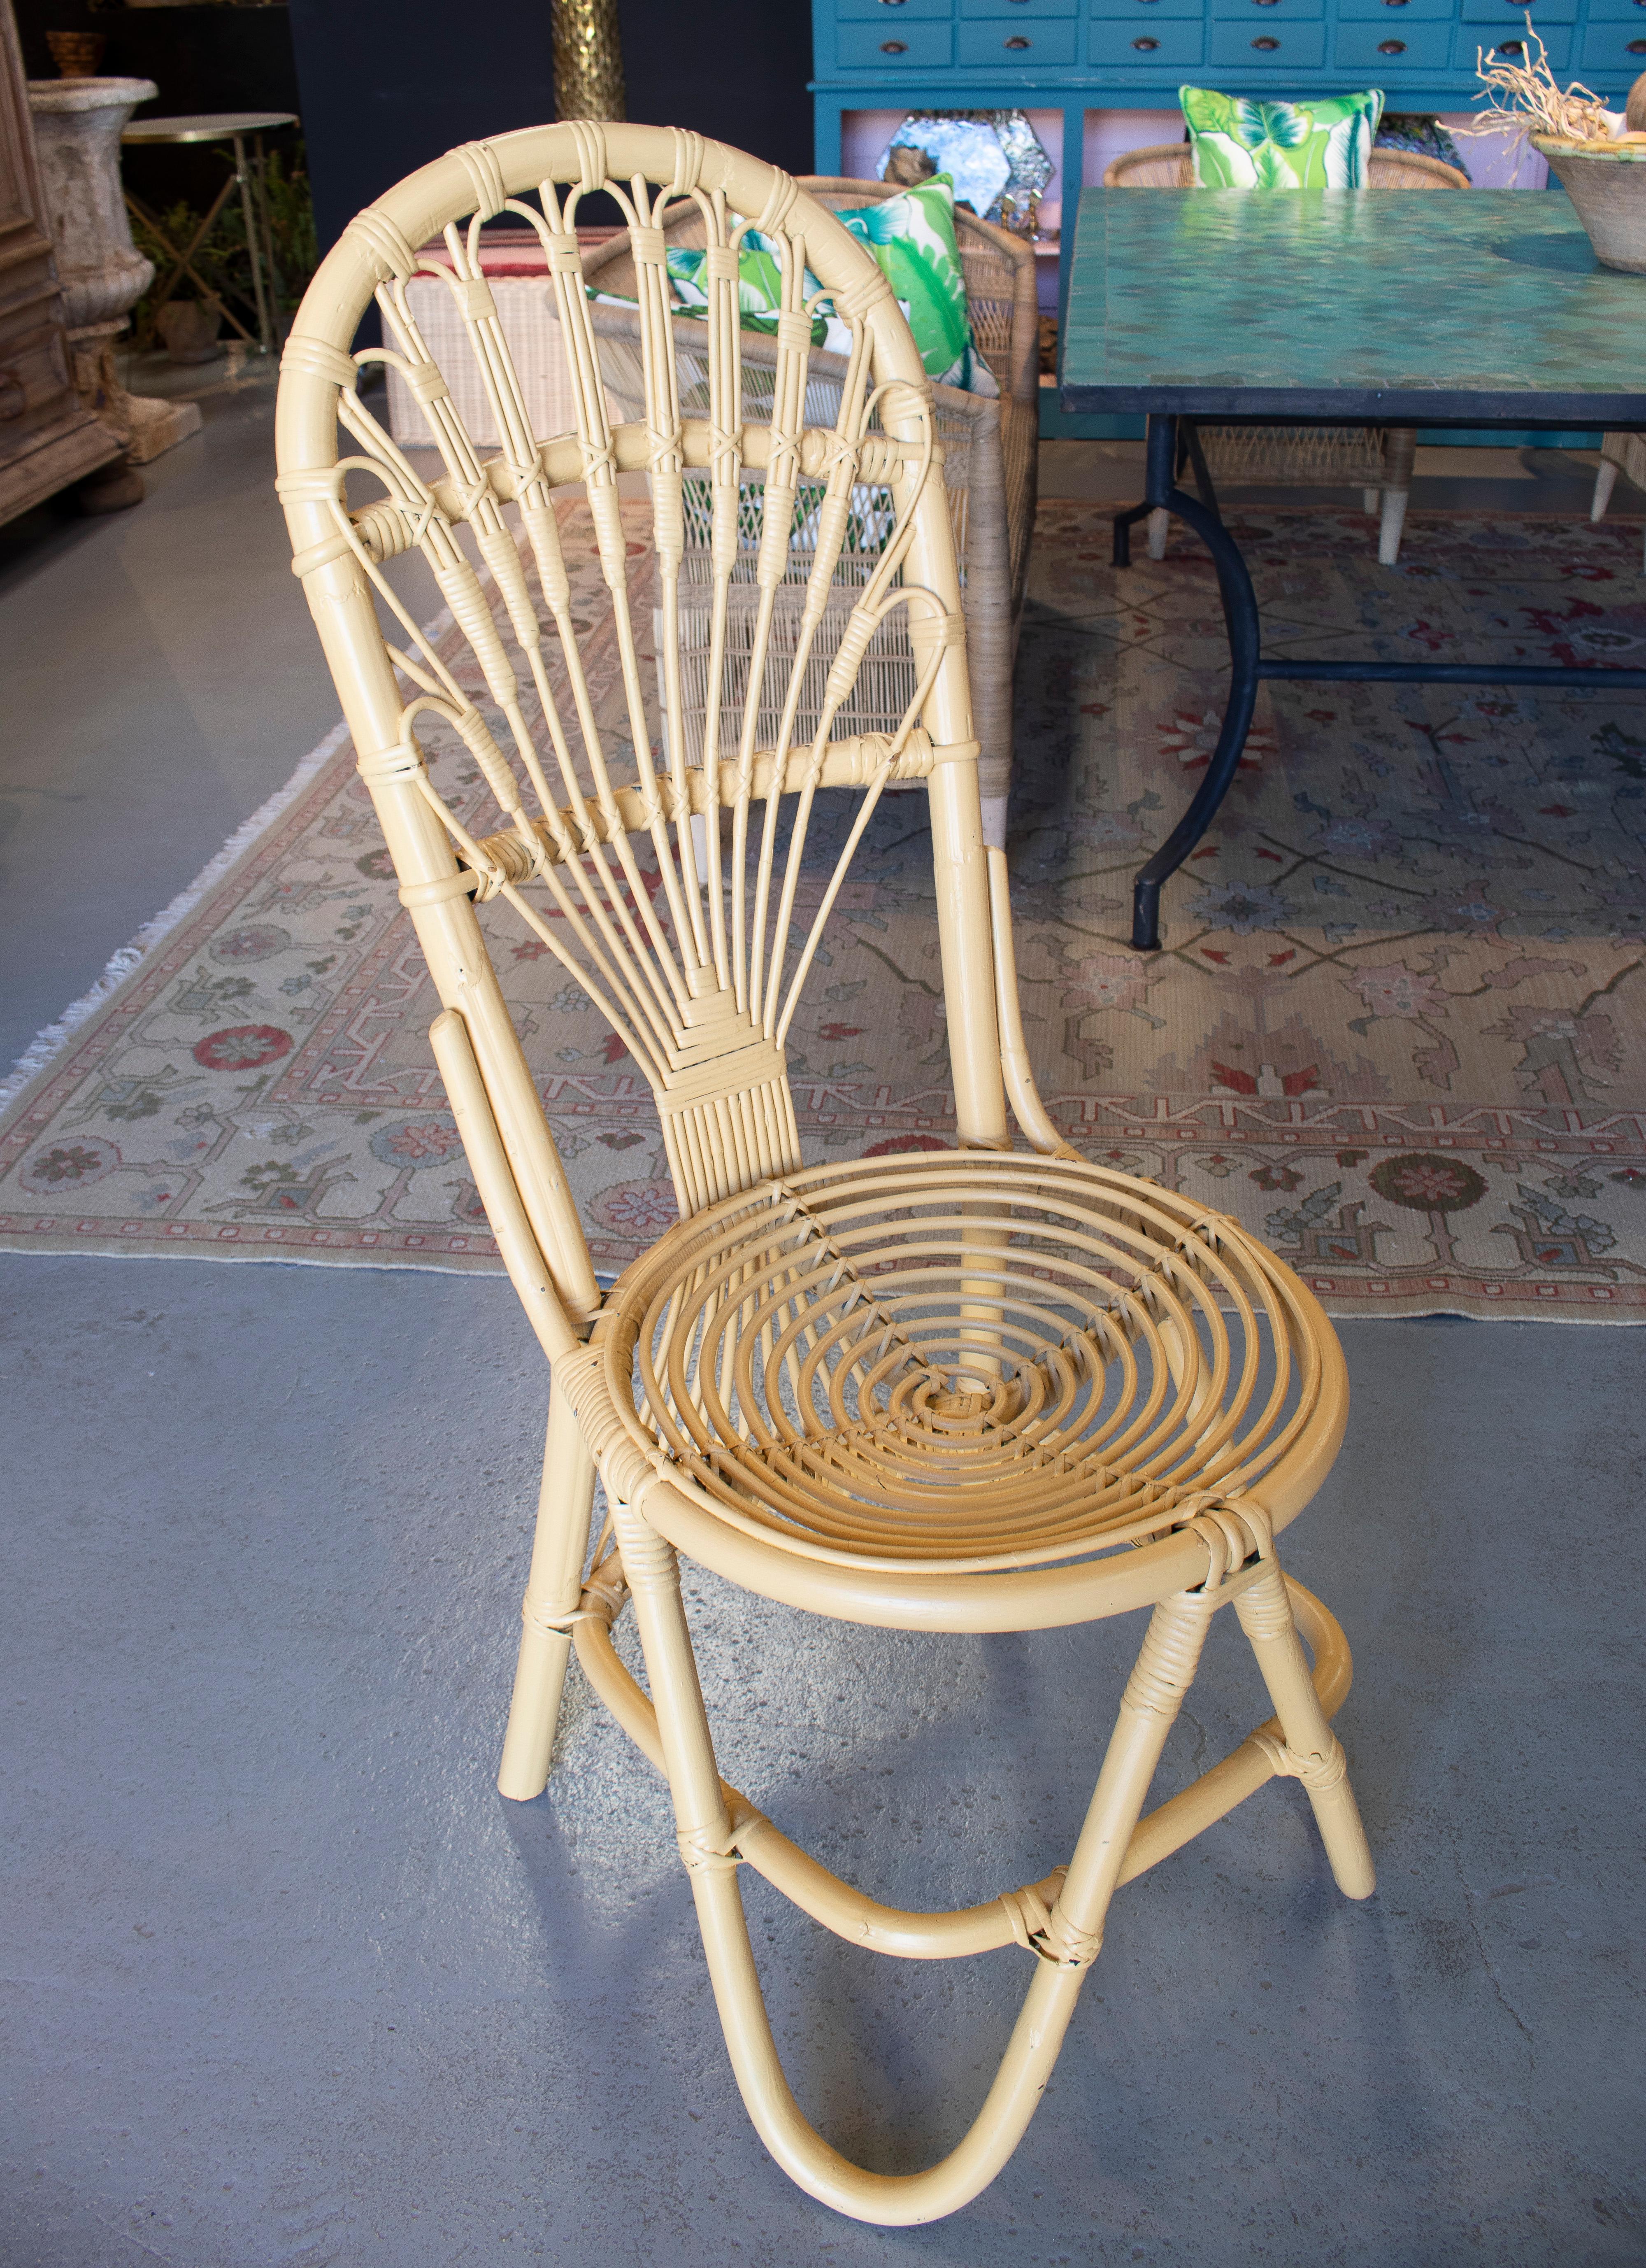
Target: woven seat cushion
(1239,142)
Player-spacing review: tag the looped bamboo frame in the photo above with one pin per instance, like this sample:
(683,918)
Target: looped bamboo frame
(960,1391)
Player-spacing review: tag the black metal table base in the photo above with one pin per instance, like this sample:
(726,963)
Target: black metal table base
(1248,666)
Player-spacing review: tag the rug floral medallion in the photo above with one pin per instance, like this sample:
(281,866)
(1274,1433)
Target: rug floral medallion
(1397,1027)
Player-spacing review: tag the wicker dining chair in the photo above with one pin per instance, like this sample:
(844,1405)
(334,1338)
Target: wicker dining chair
(1620,452)
(967,428)
(961,1390)
(1377,458)
(991,458)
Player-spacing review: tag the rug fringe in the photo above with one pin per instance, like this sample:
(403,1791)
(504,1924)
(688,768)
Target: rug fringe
(44,1049)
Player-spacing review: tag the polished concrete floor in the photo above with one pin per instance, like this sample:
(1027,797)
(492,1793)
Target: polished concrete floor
(286,1981)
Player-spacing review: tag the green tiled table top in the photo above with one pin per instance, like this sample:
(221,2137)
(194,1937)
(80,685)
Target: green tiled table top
(1472,306)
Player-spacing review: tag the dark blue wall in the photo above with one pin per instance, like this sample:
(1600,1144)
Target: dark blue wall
(387,84)
(200,58)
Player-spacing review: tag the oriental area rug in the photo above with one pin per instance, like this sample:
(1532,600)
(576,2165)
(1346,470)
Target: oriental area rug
(1396,1028)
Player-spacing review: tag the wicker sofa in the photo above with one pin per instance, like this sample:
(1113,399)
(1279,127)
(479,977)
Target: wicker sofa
(991,455)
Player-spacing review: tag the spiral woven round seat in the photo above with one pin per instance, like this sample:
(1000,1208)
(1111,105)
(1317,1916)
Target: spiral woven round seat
(964,1362)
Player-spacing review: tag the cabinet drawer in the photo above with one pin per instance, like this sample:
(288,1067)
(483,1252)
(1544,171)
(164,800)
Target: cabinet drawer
(1002,47)
(1616,47)
(1615,12)
(891,12)
(1392,13)
(1510,45)
(894,46)
(1172,41)
(1008,12)
(1263,15)
(1287,48)
(1142,12)
(1516,11)
(1375,48)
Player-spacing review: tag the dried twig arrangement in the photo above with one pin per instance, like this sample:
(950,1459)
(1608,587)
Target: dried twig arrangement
(1524,95)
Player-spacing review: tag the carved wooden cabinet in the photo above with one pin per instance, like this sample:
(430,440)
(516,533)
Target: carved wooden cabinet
(47,436)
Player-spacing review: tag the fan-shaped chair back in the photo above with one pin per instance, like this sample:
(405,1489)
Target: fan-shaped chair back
(693,941)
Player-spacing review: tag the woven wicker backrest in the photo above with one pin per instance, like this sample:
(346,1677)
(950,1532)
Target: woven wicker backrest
(966,427)
(1001,300)
(694,949)
(1168,165)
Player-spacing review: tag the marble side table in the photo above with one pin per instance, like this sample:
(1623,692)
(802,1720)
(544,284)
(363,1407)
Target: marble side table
(77,124)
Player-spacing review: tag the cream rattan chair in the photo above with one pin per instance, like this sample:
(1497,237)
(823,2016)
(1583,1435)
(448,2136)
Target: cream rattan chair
(991,456)
(961,1390)
(1376,458)
(1003,298)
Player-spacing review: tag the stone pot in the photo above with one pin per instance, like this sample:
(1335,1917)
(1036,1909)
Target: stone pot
(190,329)
(1608,190)
(77,124)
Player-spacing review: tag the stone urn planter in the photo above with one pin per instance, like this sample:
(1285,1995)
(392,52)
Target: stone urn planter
(77,124)
(1608,188)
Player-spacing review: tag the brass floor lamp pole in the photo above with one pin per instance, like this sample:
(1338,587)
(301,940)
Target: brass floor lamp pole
(588,60)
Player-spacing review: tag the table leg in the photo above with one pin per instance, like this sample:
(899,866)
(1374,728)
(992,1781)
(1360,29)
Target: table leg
(1240,620)
(254,251)
(183,262)
(259,160)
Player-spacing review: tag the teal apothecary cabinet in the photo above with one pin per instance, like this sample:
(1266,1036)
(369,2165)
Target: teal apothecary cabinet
(1073,57)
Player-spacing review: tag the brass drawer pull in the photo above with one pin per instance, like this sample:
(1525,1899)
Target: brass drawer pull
(894,46)
(1266,47)
(1145,47)
(1392,47)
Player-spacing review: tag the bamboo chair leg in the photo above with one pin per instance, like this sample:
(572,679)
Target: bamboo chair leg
(1065,1943)
(1312,1753)
(1605,481)
(1159,527)
(552,1592)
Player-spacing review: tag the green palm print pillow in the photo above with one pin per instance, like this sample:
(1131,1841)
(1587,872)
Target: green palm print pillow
(760,285)
(911,237)
(1241,144)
